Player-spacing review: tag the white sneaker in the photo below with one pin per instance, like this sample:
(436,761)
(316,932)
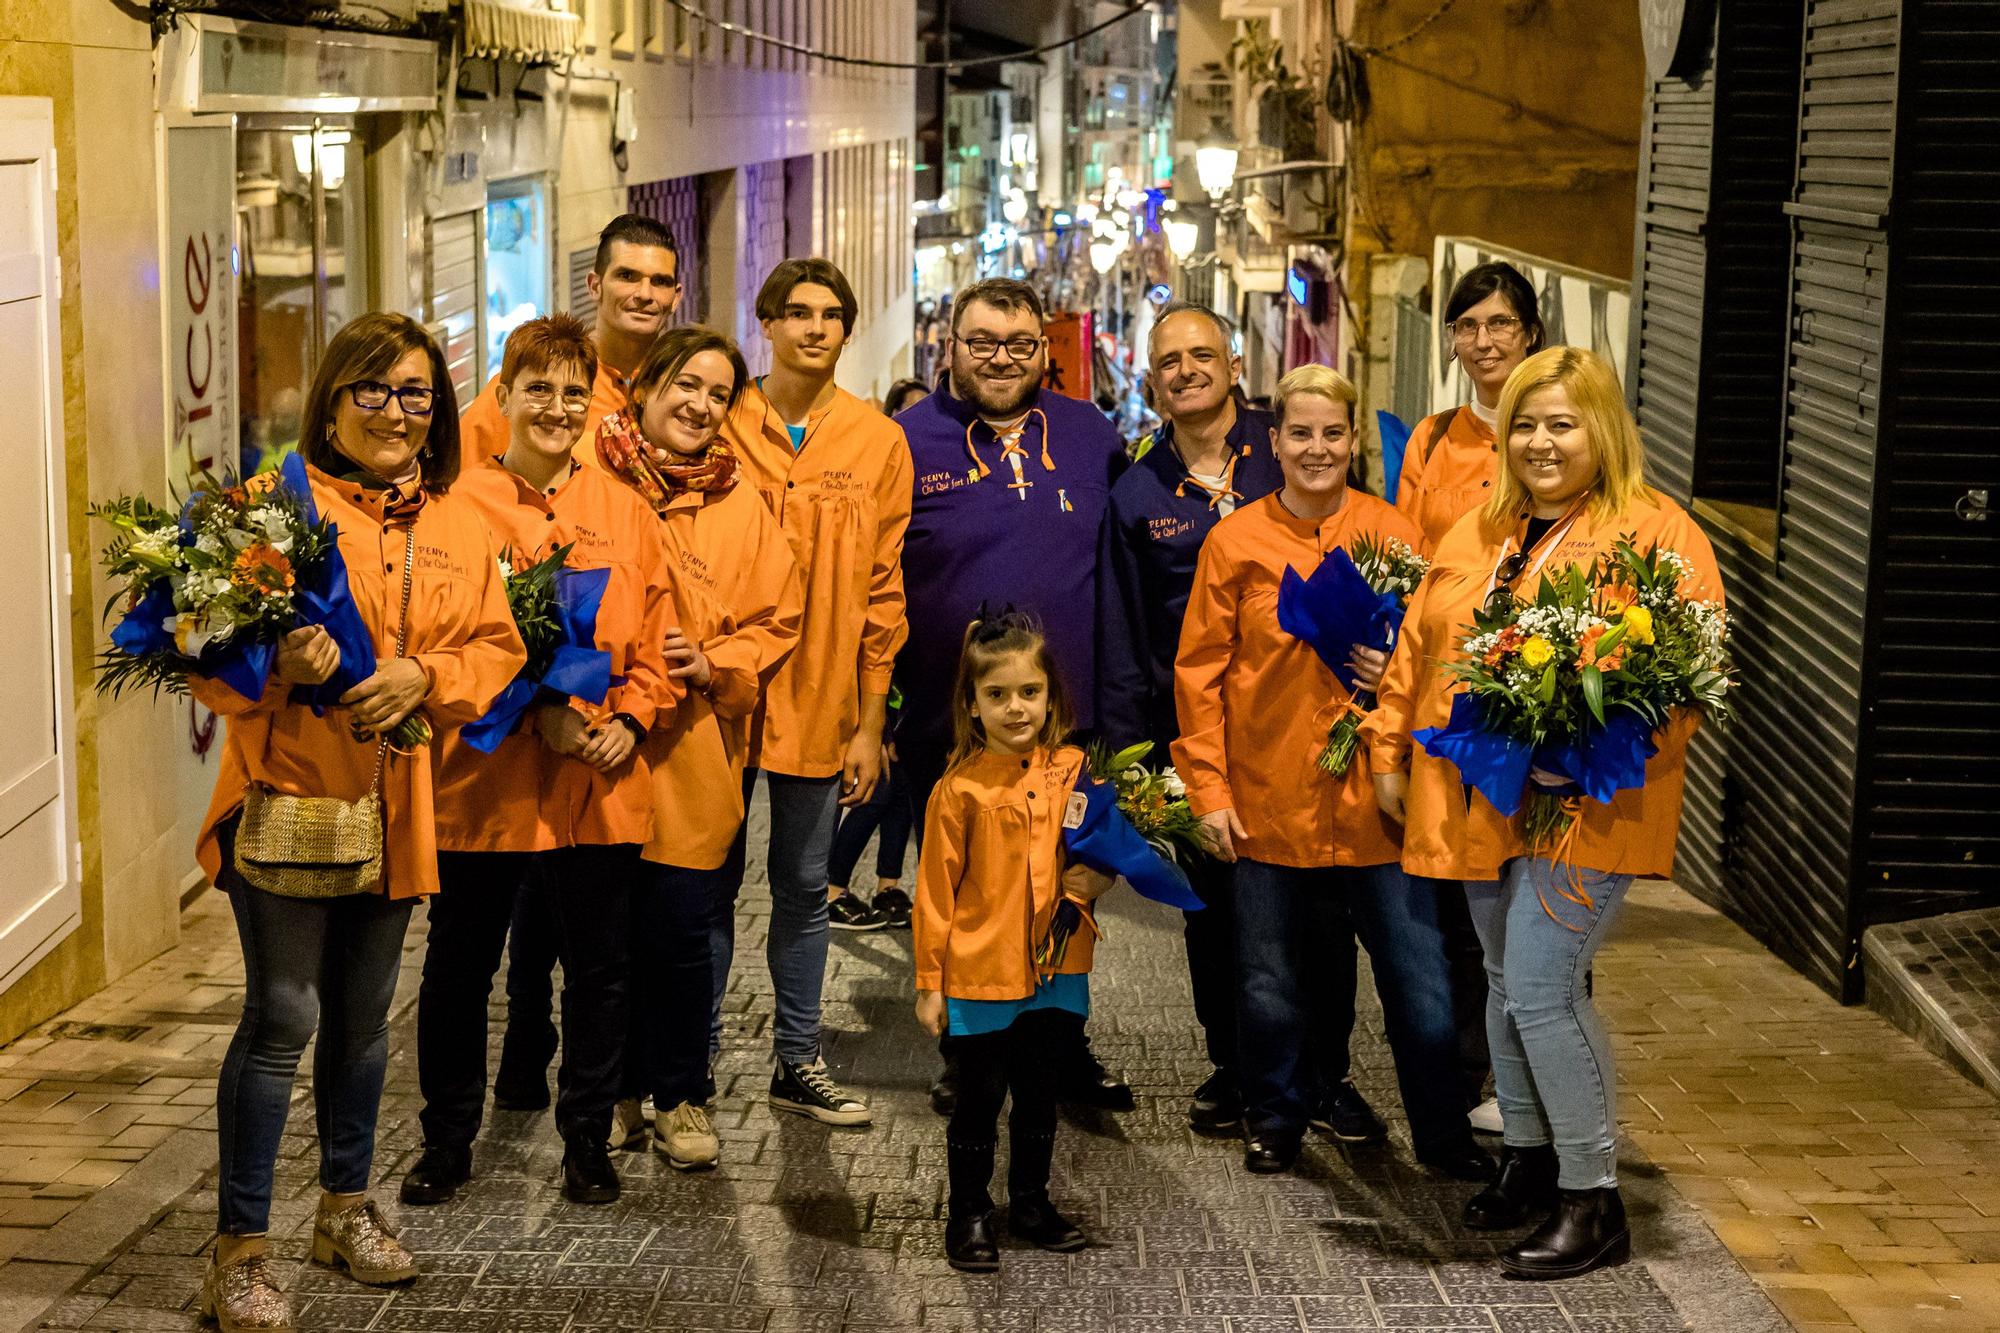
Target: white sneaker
(1485,1117)
(686,1138)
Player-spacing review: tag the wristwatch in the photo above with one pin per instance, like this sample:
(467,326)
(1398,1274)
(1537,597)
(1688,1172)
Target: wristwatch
(638,731)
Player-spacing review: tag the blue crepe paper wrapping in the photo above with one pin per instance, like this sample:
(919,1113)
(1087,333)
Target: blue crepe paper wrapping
(1604,760)
(324,599)
(1395,437)
(1336,609)
(577,668)
(1107,842)
(1600,763)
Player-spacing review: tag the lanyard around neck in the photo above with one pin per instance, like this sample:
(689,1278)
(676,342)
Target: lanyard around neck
(1547,546)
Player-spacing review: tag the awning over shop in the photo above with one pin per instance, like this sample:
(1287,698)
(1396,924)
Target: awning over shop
(526,30)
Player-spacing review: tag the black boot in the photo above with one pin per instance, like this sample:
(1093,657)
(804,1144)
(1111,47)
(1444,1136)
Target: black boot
(1034,1219)
(1217,1107)
(588,1176)
(437,1175)
(969,1245)
(1586,1231)
(1525,1189)
(968,1233)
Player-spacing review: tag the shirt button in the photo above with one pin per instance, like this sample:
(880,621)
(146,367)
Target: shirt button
(790,484)
(1031,796)
(1024,763)
(389,567)
(550,517)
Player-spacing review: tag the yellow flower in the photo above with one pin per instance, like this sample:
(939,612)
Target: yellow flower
(1537,651)
(1638,624)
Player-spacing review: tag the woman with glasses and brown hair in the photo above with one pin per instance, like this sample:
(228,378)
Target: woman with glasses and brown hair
(1493,323)
(380,443)
(1570,489)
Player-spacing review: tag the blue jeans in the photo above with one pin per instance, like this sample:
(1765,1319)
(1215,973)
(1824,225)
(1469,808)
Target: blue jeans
(1552,1068)
(804,812)
(1295,968)
(308,963)
(673,918)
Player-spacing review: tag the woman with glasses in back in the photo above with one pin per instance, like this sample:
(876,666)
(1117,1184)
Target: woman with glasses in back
(380,443)
(1569,490)
(1493,323)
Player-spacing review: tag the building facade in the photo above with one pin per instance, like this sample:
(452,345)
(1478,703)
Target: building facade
(225,194)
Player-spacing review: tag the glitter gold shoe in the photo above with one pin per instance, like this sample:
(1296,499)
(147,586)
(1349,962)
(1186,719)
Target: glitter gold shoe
(361,1240)
(243,1296)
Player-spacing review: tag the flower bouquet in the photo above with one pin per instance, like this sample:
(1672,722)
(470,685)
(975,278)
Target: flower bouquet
(555,610)
(209,590)
(1349,600)
(1568,689)
(1125,819)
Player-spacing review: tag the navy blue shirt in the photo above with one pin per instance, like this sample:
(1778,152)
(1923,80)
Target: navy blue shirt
(1157,521)
(980,534)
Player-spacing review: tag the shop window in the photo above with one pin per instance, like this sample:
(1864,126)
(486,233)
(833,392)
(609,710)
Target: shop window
(517,261)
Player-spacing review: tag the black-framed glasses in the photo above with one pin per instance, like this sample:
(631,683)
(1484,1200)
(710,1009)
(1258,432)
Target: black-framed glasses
(373,396)
(538,396)
(984,348)
(1500,328)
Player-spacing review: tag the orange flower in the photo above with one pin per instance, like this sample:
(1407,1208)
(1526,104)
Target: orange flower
(262,567)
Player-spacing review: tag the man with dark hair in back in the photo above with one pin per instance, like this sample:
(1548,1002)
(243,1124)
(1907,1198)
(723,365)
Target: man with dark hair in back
(636,284)
(1011,484)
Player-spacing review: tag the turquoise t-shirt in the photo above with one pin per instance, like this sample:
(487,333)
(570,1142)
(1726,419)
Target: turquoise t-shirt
(976,1018)
(798,434)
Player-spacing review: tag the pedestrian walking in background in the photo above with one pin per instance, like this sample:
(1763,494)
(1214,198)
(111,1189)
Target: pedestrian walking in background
(380,443)
(989,879)
(1315,859)
(565,796)
(736,588)
(836,474)
(1572,488)
(1012,479)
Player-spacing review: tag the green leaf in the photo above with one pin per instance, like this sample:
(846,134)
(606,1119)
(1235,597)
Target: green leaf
(1545,689)
(1593,692)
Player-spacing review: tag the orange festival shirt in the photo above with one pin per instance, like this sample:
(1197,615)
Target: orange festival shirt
(1635,833)
(1255,704)
(460,632)
(483,432)
(737,590)
(1444,479)
(524,796)
(843,500)
(990,875)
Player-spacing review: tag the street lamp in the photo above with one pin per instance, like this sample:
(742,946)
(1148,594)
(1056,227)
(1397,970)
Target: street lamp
(1182,237)
(1103,255)
(1215,163)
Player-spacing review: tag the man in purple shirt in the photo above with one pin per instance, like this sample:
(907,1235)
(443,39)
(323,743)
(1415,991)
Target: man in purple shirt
(1011,485)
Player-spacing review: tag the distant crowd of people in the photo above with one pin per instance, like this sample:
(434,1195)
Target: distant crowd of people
(907,622)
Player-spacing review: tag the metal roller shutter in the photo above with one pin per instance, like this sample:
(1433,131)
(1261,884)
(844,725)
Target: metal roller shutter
(452,298)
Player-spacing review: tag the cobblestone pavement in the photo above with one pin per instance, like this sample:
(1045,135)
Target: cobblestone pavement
(1763,1103)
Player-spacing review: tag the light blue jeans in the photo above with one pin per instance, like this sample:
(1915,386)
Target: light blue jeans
(1552,1069)
(804,813)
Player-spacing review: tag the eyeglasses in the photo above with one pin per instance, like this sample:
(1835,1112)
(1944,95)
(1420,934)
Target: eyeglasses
(373,396)
(1018,349)
(1500,328)
(538,396)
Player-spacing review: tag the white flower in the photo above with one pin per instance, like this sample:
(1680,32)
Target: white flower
(209,545)
(1175,787)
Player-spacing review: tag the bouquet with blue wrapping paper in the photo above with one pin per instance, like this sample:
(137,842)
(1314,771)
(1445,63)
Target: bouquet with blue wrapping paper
(1350,600)
(555,609)
(210,589)
(1127,821)
(1564,693)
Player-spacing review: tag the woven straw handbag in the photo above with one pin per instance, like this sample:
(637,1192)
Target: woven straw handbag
(319,846)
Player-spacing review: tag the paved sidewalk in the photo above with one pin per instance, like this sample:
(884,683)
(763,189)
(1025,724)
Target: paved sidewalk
(1850,1173)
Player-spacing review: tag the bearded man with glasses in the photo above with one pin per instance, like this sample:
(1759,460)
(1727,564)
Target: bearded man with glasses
(1012,480)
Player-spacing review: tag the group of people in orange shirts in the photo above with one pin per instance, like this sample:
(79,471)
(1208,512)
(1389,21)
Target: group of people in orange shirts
(791,550)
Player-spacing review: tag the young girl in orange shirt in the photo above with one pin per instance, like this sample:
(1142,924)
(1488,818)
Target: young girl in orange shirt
(988,883)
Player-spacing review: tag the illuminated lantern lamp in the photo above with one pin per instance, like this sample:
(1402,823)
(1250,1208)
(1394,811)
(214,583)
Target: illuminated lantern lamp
(1182,237)
(1215,163)
(1103,254)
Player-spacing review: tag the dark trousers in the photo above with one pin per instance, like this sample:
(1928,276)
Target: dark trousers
(1467,962)
(590,889)
(1289,927)
(530,1042)
(673,917)
(991,1067)
(309,964)
(1211,954)
(889,810)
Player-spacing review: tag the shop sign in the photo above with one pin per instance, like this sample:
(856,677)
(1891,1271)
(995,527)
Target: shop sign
(199,277)
(1069,334)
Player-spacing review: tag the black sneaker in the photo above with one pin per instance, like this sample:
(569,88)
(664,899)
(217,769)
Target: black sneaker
(848,912)
(893,906)
(810,1090)
(1344,1114)
(588,1176)
(437,1176)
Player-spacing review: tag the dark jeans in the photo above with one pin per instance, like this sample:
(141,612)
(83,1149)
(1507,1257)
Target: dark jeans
(308,963)
(531,1041)
(889,810)
(1468,986)
(989,1068)
(590,890)
(1211,954)
(1290,927)
(666,1050)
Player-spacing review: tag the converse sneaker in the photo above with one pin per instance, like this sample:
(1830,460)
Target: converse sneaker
(810,1090)
(848,912)
(686,1138)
